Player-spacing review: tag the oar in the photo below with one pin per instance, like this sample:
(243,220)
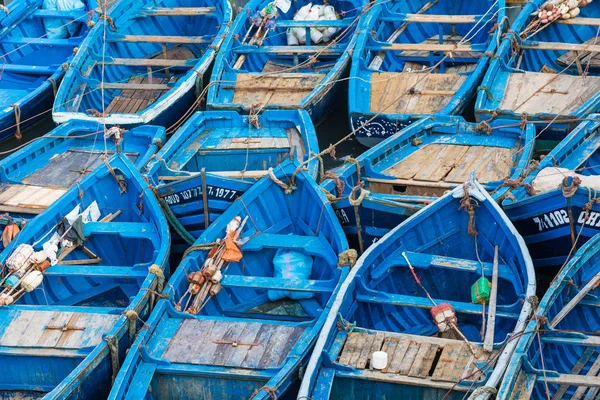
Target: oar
(488,342)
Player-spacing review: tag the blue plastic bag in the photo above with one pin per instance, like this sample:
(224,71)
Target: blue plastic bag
(291,264)
(62,28)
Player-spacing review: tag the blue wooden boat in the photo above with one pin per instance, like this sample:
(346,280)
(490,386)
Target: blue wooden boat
(216,156)
(418,58)
(554,220)
(152,66)
(257,68)
(386,304)
(557,357)
(243,342)
(33,60)
(65,327)
(34,177)
(539,74)
(420,163)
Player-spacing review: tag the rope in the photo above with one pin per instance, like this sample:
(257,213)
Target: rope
(330,196)
(484,390)
(469,206)
(53,83)
(488,92)
(173,221)
(160,276)
(132,317)
(347,257)
(113,348)
(344,325)
(357,201)
(354,161)
(287,189)
(272,392)
(157,142)
(199,247)
(569,190)
(515,183)
(339,184)
(121,182)
(17,120)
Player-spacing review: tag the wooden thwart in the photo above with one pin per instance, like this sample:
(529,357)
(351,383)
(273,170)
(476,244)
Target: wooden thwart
(179,11)
(149,62)
(273,89)
(591,48)
(29,199)
(411,356)
(441,19)
(162,39)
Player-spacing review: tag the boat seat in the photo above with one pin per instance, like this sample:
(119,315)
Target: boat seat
(177,11)
(28,199)
(333,50)
(574,339)
(340,23)
(579,21)
(412,359)
(149,62)
(124,229)
(159,39)
(293,285)
(426,261)
(444,47)
(432,18)
(312,245)
(96,271)
(560,46)
(133,86)
(28,69)
(60,14)
(377,297)
(40,42)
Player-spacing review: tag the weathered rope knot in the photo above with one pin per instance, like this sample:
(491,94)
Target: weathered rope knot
(17,110)
(347,257)
(483,126)
(484,390)
(344,325)
(132,317)
(534,301)
(339,184)
(330,196)
(157,142)
(488,92)
(569,190)
(354,161)
(160,276)
(467,204)
(515,183)
(287,189)
(269,390)
(113,348)
(357,201)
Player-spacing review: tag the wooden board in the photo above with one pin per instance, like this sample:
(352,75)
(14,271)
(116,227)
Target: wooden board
(585,57)
(424,93)
(284,89)
(426,359)
(131,101)
(537,92)
(232,344)
(450,43)
(58,330)
(64,170)
(454,163)
(253,143)
(28,198)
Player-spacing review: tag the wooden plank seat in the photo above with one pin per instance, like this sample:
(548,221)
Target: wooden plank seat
(333,50)
(125,229)
(55,330)
(312,245)
(579,21)
(377,297)
(177,11)
(439,19)
(133,86)
(574,339)
(289,89)
(209,342)
(150,62)
(423,93)
(581,58)
(96,271)
(560,46)
(426,47)
(29,199)
(40,42)
(28,69)
(454,163)
(339,23)
(537,92)
(159,39)
(426,261)
(412,359)
(60,14)
(292,285)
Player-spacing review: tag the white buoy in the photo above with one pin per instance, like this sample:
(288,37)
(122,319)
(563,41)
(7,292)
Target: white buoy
(379,360)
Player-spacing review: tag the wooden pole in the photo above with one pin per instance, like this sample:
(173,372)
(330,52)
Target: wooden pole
(488,342)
